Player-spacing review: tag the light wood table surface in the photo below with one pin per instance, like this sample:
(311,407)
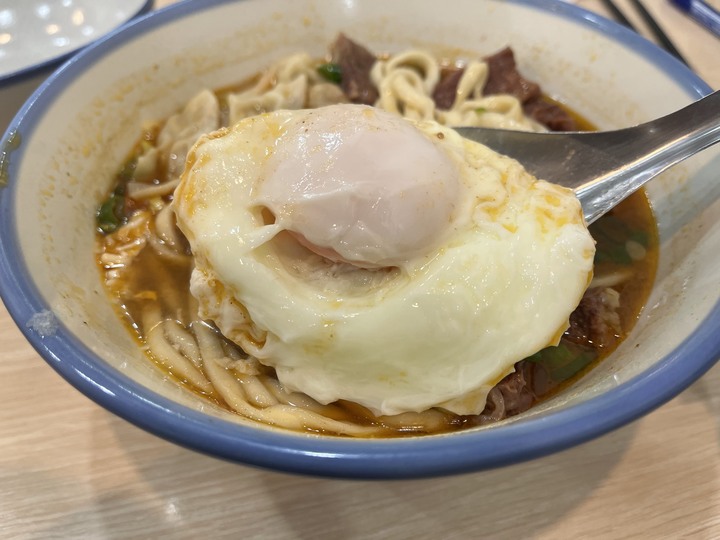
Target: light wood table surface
(69,469)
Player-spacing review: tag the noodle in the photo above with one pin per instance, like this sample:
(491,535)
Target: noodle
(193,351)
(171,345)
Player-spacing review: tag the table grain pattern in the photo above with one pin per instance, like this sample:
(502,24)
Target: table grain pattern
(69,469)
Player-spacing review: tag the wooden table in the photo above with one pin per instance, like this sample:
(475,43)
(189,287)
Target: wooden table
(70,469)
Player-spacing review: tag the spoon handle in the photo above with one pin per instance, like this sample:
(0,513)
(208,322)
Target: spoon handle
(649,149)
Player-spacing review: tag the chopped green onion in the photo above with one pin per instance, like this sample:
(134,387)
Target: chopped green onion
(110,214)
(563,361)
(481,110)
(330,72)
(613,254)
(641,237)
(611,235)
(128,170)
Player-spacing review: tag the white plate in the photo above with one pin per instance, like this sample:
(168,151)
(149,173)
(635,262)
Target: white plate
(34,33)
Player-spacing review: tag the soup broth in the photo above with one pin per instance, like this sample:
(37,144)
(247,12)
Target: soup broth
(146,266)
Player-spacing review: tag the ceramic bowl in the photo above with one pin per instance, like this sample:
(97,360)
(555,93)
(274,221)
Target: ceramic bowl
(59,154)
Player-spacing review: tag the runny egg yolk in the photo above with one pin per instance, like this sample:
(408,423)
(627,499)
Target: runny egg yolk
(360,185)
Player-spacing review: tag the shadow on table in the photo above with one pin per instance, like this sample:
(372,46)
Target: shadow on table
(139,486)
(705,393)
(192,494)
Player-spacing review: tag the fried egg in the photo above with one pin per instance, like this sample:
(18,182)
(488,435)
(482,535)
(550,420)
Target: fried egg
(377,260)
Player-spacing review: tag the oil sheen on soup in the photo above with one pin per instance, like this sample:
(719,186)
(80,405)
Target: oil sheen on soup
(147,264)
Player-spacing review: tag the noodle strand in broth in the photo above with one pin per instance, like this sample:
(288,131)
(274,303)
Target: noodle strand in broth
(146,261)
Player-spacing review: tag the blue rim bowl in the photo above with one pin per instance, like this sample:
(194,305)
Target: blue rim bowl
(25,296)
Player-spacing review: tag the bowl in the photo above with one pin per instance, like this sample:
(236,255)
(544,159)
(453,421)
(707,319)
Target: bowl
(61,150)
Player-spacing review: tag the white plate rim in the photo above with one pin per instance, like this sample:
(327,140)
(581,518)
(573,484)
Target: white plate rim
(132,10)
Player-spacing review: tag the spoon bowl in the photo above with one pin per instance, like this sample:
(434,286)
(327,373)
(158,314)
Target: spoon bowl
(605,167)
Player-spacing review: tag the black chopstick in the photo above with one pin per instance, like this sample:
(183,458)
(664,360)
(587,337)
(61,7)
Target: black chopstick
(661,36)
(618,15)
(659,33)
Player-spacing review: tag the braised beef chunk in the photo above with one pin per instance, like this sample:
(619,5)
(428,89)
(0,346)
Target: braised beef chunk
(594,324)
(509,397)
(549,115)
(444,93)
(596,319)
(515,389)
(355,62)
(504,78)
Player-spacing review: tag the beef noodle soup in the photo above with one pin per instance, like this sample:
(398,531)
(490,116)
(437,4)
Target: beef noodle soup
(146,261)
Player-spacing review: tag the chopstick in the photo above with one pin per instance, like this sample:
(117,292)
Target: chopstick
(618,15)
(659,33)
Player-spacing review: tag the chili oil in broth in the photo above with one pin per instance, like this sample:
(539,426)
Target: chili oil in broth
(627,248)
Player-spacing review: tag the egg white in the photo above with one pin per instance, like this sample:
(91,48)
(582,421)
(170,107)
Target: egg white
(437,329)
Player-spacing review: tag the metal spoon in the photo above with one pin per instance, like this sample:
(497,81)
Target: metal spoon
(604,167)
